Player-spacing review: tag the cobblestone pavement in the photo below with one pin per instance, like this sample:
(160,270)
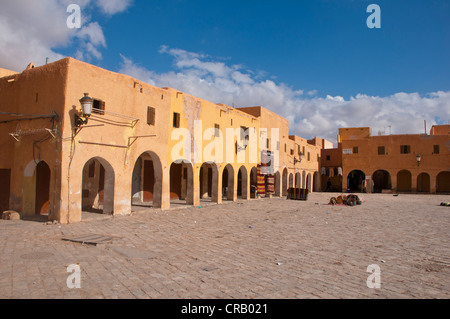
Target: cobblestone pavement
(262,249)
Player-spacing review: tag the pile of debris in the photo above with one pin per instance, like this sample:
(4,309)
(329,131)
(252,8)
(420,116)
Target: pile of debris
(10,215)
(349,200)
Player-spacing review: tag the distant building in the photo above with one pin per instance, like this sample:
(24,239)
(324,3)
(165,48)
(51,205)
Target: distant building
(417,163)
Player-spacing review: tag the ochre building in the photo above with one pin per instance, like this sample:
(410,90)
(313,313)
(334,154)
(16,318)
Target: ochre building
(141,145)
(403,163)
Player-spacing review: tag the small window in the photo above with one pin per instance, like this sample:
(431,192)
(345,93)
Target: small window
(328,158)
(381,150)
(303,150)
(176,120)
(151,115)
(216,130)
(405,149)
(292,152)
(435,149)
(98,106)
(355,149)
(268,143)
(285,148)
(299,151)
(309,156)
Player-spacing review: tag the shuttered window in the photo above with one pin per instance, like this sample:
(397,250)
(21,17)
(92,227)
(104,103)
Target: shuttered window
(405,149)
(176,120)
(151,115)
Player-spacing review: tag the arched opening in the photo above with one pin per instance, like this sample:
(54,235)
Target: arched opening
(146,182)
(298,180)
(97,187)
(285,182)
(228,183)
(381,181)
(278,184)
(5,184)
(181,183)
(36,189)
(303,183)
(423,183)
(443,182)
(355,181)
(209,179)
(253,182)
(316,182)
(404,181)
(309,182)
(291,180)
(242,183)
(42,205)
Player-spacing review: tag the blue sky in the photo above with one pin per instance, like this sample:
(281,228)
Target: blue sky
(311,45)
(314,62)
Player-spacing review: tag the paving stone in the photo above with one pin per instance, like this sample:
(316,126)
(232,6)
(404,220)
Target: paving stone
(321,255)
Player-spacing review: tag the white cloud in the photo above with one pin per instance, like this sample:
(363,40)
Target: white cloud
(31,31)
(309,115)
(28,31)
(112,7)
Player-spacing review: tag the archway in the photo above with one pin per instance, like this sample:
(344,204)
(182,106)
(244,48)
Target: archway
(316,182)
(404,181)
(309,182)
(5,184)
(303,180)
(443,182)
(278,190)
(291,180)
(355,180)
(36,189)
(181,183)
(242,187)
(423,183)
(98,187)
(42,205)
(228,183)
(209,179)
(146,182)
(285,182)
(381,180)
(253,182)
(298,180)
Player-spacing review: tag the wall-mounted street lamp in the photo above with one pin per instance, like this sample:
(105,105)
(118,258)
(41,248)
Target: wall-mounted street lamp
(245,143)
(418,158)
(298,160)
(86,110)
